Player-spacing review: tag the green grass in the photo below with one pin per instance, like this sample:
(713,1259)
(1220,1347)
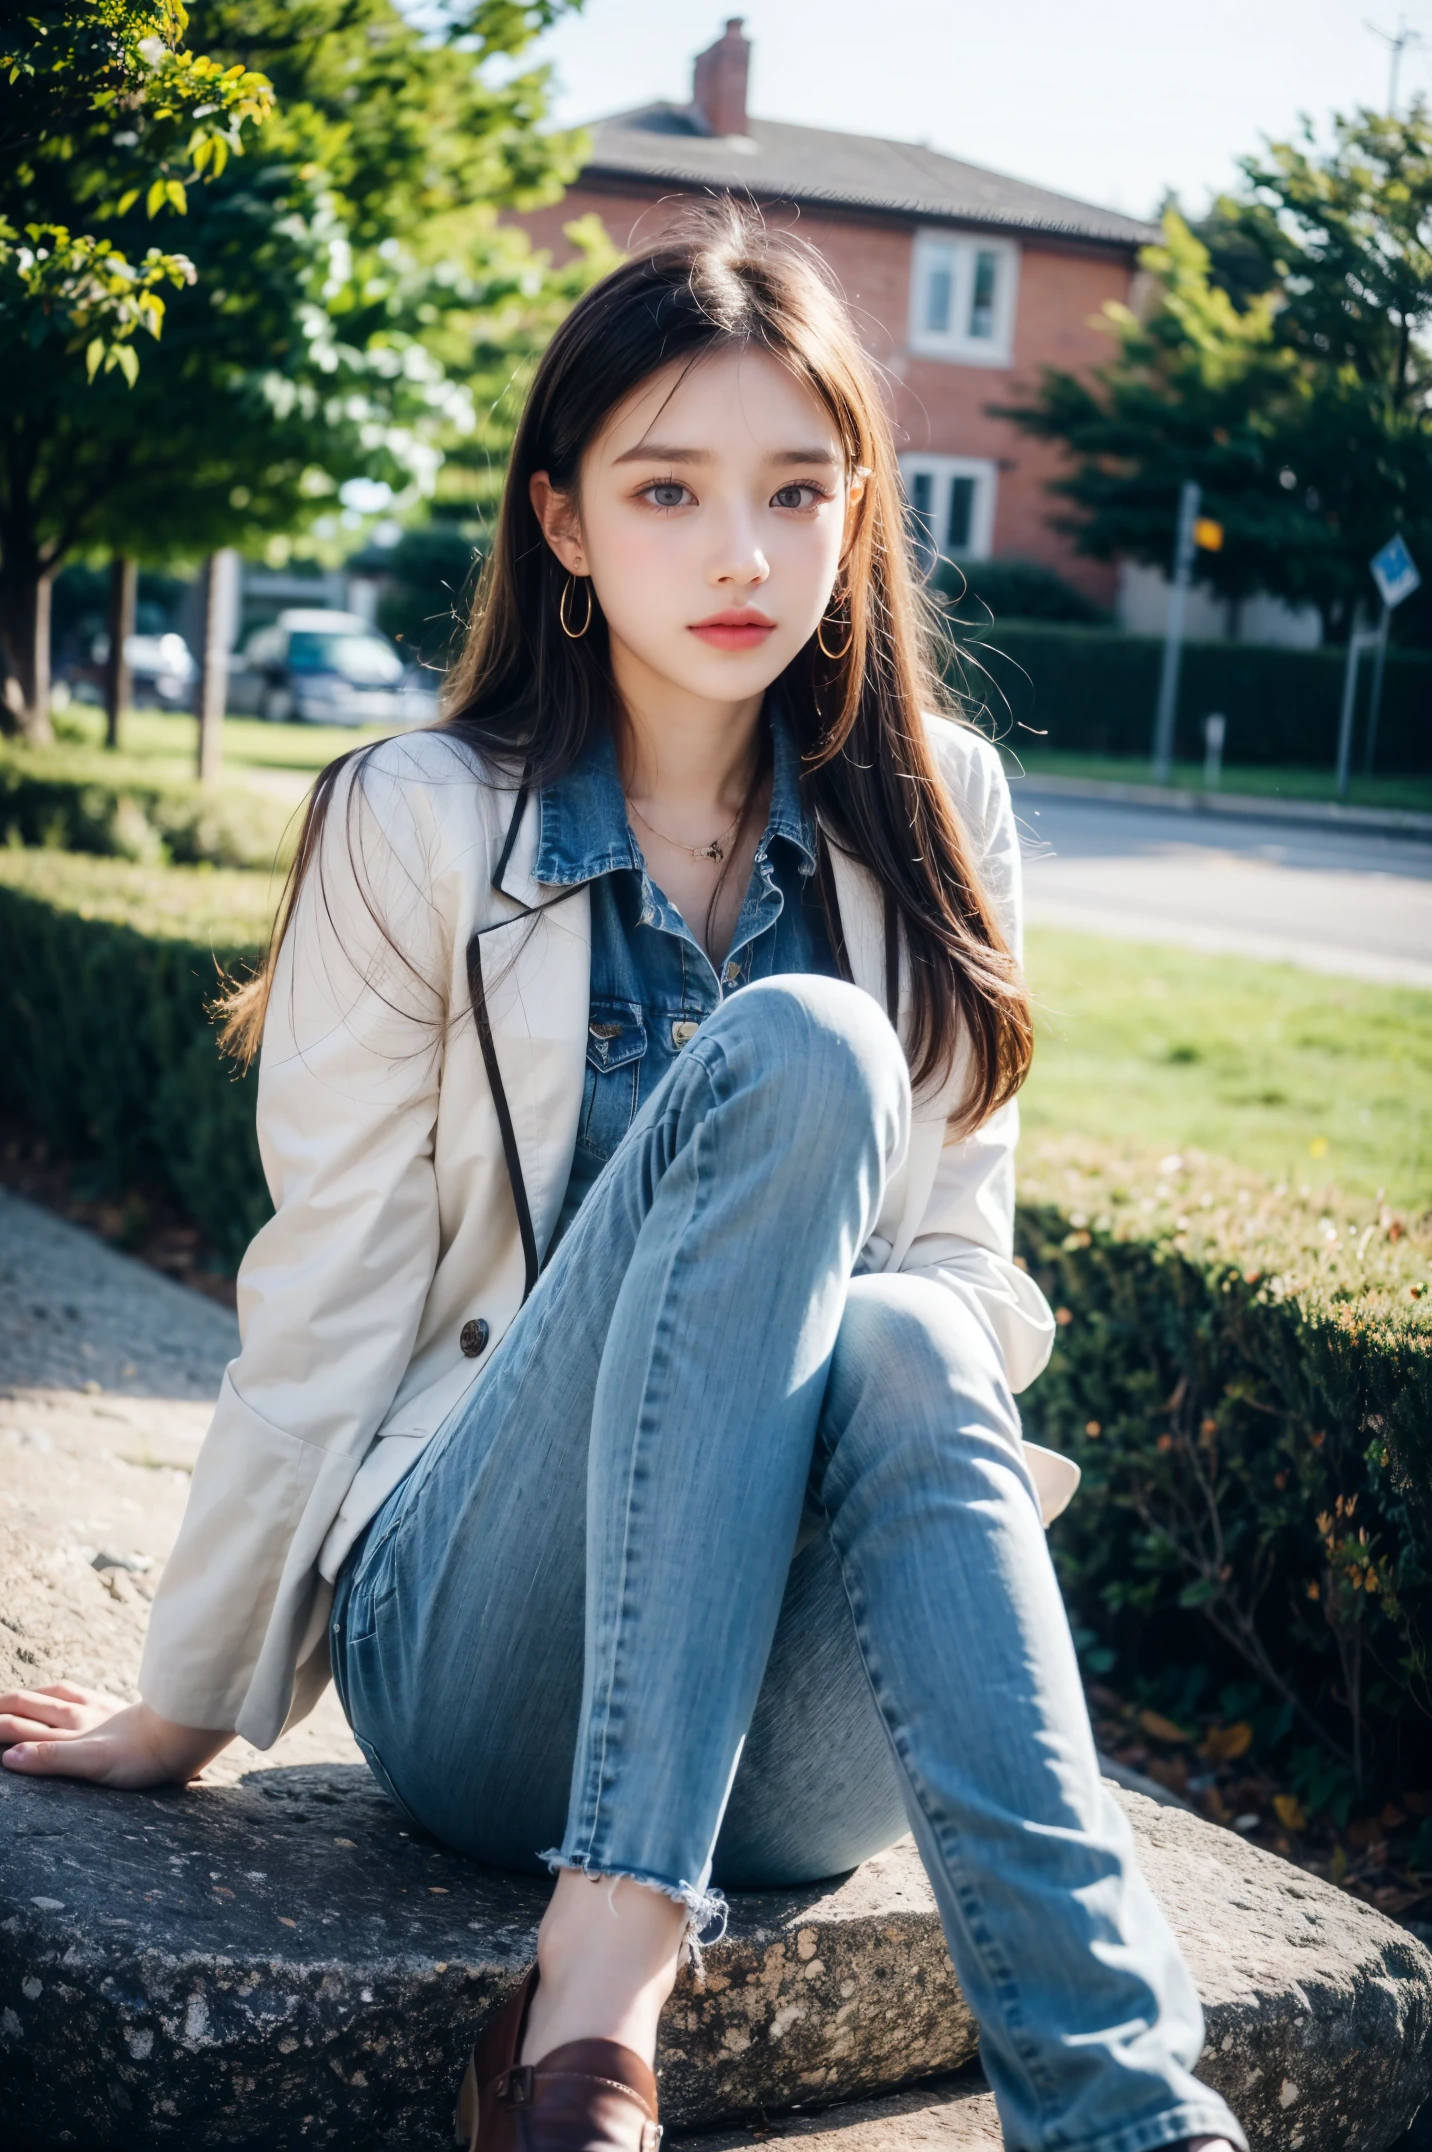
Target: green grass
(163,744)
(228,907)
(1287,782)
(1312,1081)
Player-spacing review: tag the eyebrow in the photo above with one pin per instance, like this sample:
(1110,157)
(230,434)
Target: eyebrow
(664,452)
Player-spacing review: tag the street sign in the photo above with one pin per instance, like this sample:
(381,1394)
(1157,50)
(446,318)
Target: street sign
(1395,572)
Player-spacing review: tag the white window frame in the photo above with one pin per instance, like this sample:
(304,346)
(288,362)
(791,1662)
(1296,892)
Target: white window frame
(942,472)
(955,254)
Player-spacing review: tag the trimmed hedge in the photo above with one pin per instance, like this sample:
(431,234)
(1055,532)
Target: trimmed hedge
(78,800)
(106,970)
(1244,1374)
(1092,691)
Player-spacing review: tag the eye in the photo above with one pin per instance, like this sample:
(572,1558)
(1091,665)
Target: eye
(800,495)
(667,493)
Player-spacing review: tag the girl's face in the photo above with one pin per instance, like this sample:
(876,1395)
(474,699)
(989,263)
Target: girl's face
(714,509)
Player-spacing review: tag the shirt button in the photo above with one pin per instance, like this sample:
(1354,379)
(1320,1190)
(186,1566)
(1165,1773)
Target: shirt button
(473,1337)
(684,1032)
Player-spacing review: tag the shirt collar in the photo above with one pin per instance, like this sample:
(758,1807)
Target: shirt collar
(584,831)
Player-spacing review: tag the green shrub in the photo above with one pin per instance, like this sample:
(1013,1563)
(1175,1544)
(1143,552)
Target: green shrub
(1245,1376)
(71,799)
(1090,690)
(1008,589)
(106,970)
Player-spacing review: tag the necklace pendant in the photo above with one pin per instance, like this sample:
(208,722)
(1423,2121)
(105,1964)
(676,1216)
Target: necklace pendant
(710,851)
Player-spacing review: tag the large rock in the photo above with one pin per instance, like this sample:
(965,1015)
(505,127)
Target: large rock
(281,1962)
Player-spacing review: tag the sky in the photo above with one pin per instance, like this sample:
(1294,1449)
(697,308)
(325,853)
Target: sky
(1112,101)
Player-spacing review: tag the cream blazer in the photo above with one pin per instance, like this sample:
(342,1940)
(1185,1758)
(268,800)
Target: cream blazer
(395,1220)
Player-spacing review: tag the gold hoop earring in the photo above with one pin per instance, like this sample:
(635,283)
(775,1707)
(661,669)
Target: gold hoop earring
(834,655)
(574,634)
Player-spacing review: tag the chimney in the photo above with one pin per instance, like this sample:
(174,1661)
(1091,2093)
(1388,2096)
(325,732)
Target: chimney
(718,89)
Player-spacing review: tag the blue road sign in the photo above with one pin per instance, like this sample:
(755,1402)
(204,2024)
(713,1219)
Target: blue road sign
(1395,572)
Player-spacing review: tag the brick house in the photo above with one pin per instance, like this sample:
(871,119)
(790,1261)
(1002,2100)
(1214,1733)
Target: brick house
(964,283)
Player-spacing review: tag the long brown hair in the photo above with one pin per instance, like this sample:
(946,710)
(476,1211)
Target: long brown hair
(526,697)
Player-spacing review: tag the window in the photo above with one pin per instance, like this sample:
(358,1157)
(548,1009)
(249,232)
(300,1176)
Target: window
(963,292)
(952,500)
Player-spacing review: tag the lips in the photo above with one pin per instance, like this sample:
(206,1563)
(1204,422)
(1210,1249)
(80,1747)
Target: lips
(737,628)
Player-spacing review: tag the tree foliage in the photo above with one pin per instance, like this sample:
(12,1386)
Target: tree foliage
(1283,362)
(351,276)
(104,107)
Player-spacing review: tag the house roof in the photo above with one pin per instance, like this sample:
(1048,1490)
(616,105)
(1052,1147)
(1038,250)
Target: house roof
(667,144)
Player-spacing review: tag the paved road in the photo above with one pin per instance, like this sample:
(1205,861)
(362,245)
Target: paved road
(1327,900)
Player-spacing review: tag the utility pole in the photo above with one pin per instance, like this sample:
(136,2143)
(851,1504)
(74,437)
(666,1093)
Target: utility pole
(1404,40)
(1374,708)
(1359,639)
(1167,710)
(221,591)
(123,584)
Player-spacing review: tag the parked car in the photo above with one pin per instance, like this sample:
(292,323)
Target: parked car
(327,668)
(162,672)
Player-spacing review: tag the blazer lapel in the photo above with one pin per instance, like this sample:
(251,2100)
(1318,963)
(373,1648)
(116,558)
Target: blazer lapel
(536,957)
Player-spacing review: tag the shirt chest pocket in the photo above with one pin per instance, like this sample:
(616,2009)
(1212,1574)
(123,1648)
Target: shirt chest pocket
(616,1051)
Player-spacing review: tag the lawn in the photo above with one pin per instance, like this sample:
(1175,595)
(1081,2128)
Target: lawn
(225,907)
(1289,782)
(1305,1079)
(162,745)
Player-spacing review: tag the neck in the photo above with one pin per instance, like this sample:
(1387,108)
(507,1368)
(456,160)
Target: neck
(681,749)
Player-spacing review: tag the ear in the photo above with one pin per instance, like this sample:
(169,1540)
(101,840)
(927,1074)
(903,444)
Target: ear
(560,527)
(854,502)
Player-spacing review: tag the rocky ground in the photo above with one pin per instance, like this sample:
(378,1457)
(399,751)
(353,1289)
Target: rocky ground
(108,1372)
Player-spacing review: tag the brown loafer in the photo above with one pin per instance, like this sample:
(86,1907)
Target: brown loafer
(587,2096)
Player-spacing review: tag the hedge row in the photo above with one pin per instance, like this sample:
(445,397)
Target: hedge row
(106,970)
(1092,691)
(1244,1375)
(70,800)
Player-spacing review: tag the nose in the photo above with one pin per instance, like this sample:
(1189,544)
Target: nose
(738,561)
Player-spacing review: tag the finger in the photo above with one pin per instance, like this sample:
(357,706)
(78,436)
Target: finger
(47,1710)
(58,1759)
(15,1726)
(94,1756)
(72,1693)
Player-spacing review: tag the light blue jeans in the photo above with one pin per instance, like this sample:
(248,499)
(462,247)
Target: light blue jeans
(592,1630)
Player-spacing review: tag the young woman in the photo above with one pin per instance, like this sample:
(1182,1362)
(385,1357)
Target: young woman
(625,1408)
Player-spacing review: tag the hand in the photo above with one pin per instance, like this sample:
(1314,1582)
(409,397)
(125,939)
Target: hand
(63,1731)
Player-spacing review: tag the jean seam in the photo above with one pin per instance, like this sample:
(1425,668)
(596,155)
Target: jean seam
(1001,1977)
(596,1786)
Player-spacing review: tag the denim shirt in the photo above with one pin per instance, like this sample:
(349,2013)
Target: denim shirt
(652,982)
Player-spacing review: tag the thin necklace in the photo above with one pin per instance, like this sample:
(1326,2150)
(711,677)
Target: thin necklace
(716,849)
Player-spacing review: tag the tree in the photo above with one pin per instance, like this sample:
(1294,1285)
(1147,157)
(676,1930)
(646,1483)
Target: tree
(103,107)
(335,268)
(1284,364)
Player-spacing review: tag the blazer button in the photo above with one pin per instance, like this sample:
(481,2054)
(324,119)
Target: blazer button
(473,1337)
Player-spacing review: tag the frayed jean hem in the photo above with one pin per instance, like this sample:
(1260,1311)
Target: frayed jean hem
(704,1908)
(1191,2118)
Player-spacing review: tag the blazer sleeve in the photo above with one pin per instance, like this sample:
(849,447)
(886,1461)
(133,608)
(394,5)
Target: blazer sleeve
(332,1289)
(965,1240)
